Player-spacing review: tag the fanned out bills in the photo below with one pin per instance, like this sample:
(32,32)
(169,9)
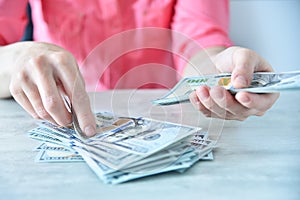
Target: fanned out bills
(125,148)
(262,82)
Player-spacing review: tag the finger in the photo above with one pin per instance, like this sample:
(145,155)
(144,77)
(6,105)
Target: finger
(226,101)
(244,62)
(203,94)
(22,99)
(53,103)
(82,108)
(258,102)
(198,105)
(73,84)
(49,94)
(33,95)
(18,93)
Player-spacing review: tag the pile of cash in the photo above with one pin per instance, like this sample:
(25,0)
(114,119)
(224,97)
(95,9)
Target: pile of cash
(125,148)
(262,82)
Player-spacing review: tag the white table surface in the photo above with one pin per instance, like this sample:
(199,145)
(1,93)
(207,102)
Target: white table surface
(255,159)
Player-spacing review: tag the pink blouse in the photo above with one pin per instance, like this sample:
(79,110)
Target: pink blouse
(122,43)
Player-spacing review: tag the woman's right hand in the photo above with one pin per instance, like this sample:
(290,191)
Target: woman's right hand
(39,74)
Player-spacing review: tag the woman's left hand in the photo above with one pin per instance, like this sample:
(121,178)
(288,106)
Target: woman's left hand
(217,102)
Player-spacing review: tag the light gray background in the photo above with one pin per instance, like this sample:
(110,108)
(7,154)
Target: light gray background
(271,28)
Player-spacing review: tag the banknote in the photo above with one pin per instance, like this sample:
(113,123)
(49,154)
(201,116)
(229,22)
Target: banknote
(262,82)
(147,137)
(58,156)
(180,163)
(125,148)
(51,147)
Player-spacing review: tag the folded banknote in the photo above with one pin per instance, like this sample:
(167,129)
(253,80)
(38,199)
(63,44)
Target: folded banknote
(262,82)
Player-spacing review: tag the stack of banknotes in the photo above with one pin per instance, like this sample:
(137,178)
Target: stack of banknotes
(262,82)
(125,148)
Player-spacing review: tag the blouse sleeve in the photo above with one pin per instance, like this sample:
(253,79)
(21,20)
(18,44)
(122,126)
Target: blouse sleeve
(198,24)
(206,21)
(13,20)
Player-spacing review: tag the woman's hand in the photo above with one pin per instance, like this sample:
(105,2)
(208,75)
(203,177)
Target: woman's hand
(40,74)
(220,103)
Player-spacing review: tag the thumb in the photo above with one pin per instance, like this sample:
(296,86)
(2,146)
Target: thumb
(245,63)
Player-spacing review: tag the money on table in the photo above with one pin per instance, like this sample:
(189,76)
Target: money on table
(125,148)
(262,82)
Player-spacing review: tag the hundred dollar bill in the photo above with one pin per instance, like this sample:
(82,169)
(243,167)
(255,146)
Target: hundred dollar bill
(147,137)
(180,163)
(57,156)
(51,147)
(262,82)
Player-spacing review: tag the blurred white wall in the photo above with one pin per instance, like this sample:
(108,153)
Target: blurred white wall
(271,28)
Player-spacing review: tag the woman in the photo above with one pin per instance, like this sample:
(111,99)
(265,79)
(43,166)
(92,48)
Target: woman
(108,44)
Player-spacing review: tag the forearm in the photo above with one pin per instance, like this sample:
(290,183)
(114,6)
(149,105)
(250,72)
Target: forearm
(202,63)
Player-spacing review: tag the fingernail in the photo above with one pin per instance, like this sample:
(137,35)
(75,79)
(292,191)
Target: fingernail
(89,131)
(240,81)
